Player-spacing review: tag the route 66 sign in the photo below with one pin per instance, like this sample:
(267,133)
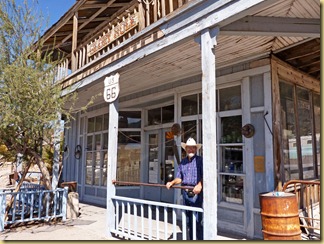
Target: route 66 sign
(111,90)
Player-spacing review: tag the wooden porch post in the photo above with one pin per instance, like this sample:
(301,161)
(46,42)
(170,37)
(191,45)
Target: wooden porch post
(56,157)
(208,43)
(74,42)
(112,164)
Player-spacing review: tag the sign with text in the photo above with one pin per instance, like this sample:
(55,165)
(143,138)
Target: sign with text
(111,90)
(113,34)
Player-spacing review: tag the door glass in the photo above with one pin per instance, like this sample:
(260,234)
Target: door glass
(168,167)
(153,158)
(305,131)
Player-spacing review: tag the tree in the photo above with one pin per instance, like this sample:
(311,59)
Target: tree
(30,100)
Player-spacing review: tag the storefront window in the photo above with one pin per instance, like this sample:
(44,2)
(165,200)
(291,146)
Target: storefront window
(189,105)
(299,144)
(161,115)
(289,132)
(129,148)
(96,151)
(305,132)
(129,156)
(230,98)
(129,119)
(230,146)
(317,119)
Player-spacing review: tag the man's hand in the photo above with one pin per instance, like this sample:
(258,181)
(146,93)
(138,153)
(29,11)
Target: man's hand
(168,185)
(197,189)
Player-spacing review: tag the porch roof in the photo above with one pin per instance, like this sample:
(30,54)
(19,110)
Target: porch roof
(290,29)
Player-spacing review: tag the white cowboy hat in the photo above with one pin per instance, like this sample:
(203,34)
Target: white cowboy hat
(190,142)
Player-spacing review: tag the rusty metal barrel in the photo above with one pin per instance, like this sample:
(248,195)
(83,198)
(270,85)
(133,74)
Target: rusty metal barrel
(279,215)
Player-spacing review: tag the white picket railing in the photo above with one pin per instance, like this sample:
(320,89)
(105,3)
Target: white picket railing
(138,219)
(33,204)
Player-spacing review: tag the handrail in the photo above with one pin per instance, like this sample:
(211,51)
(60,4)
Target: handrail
(295,182)
(127,183)
(308,198)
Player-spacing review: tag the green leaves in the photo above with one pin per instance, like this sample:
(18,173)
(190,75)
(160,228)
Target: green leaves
(29,99)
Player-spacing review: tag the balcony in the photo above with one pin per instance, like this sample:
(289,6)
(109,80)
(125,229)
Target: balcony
(92,41)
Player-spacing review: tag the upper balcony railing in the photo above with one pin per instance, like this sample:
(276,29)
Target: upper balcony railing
(136,18)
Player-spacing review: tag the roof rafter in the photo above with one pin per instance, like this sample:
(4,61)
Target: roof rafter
(274,26)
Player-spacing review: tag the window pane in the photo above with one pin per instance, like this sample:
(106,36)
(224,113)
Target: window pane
(90,144)
(305,130)
(104,170)
(105,141)
(129,156)
(99,122)
(317,118)
(89,168)
(81,125)
(189,105)
(231,129)
(289,131)
(153,158)
(91,124)
(129,119)
(230,98)
(168,114)
(106,121)
(232,159)
(154,116)
(232,188)
(200,103)
(97,142)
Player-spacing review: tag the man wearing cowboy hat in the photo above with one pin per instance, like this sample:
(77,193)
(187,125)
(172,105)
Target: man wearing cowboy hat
(190,174)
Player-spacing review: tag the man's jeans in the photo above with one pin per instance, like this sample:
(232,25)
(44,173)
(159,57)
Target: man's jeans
(194,201)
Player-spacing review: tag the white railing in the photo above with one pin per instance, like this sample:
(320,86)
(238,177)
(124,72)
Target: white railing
(138,219)
(30,204)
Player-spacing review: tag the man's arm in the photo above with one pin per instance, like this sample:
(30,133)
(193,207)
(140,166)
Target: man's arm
(176,181)
(197,189)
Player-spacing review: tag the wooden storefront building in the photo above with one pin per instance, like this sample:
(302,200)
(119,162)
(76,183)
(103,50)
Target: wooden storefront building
(215,68)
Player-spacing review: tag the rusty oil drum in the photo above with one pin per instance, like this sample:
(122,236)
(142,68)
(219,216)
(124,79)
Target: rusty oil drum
(279,215)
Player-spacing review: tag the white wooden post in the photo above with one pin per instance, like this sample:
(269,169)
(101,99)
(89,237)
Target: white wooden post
(112,164)
(64,202)
(56,157)
(208,43)
(2,211)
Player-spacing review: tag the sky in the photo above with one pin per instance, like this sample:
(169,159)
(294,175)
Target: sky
(53,10)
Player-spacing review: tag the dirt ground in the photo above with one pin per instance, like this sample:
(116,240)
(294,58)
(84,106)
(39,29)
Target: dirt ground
(5,171)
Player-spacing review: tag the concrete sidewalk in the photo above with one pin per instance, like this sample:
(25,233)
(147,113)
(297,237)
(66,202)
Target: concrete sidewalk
(90,225)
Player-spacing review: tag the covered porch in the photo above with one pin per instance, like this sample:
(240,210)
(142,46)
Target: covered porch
(205,46)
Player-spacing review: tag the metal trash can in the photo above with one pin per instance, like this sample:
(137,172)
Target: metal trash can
(280,216)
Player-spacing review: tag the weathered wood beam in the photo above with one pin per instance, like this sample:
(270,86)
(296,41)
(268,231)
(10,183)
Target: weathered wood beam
(74,40)
(82,20)
(99,28)
(112,163)
(208,65)
(100,5)
(273,26)
(89,20)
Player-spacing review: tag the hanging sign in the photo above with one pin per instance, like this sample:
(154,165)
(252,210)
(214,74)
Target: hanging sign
(111,90)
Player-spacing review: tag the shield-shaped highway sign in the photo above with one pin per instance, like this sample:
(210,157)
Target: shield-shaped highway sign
(111,90)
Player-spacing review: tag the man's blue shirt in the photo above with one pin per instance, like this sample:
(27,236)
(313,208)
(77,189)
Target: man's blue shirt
(190,171)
